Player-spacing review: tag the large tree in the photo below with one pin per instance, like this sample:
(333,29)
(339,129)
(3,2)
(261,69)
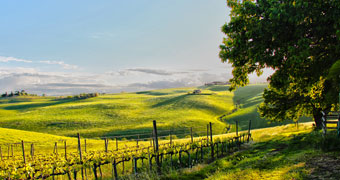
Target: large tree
(299,40)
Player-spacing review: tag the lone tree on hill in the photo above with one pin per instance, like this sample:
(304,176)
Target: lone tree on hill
(299,40)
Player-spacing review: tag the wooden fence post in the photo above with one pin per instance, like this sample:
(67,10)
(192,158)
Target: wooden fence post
(79,148)
(135,165)
(192,138)
(249,130)
(156,145)
(170,137)
(32,151)
(80,156)
(65,149)
(153,141)
(56,148)
(207,133)
(12,149)
(236,127)
(23,151)
(211,141)
(105,143)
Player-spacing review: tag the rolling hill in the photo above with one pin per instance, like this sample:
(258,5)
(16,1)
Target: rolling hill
(123,113)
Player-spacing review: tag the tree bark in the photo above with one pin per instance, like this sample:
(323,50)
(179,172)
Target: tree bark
(317,115)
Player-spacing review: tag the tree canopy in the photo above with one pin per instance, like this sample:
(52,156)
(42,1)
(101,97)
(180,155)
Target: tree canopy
(299,40)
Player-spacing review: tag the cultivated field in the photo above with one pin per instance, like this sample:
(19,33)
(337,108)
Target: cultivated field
(49,122)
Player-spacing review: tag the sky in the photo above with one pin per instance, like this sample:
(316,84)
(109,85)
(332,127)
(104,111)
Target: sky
(109,46)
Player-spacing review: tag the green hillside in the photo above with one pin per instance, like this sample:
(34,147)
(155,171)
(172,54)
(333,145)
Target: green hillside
(276,153)
(123,113)
(116,113)
(246,101)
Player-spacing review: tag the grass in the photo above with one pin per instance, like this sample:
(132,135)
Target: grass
(115,114)
(125,113)
(44,143)
(247,99)
(282,152)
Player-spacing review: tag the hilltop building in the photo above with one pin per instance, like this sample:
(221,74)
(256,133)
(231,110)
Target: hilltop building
(197,91)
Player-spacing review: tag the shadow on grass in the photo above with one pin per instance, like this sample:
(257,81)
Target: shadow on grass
(39,105)
(245,94)
(169,101)
(156,93)
(153,93)
(255,100)
(279,154)
(196,102)
(203,94)
(216,88)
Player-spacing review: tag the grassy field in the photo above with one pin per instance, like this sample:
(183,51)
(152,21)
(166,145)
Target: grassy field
(246,100)
(281,152)
(277,153)
(124,113)
(114,114)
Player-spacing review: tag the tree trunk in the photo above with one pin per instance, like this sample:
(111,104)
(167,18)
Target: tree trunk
(317,115)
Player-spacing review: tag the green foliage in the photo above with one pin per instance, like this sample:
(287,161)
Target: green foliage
(298,39)
(17,93)
(45,164)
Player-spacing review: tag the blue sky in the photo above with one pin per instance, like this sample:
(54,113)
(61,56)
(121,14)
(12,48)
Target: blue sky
(68,47)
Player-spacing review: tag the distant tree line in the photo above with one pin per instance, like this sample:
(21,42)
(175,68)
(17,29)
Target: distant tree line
(24,93)
(81,96)
(17,93)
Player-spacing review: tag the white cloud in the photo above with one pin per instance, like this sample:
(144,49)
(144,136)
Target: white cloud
(64,65)
(61,63)
(62,83)
(8,59)
(161,72)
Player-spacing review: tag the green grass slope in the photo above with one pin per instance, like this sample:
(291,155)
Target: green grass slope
(124,113)
(277,153)
(114,114)
(246,100)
